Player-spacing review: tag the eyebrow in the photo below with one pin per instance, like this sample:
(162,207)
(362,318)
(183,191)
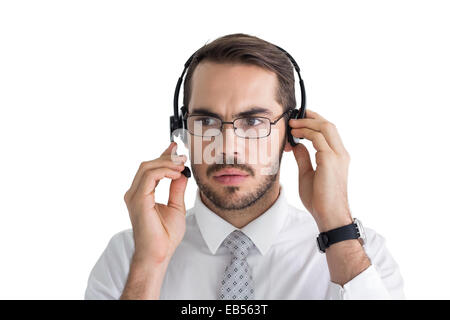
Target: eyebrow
(254,110)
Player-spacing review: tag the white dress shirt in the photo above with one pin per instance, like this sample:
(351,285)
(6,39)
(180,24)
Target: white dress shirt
(285,261)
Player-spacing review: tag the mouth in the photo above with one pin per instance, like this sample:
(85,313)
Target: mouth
(230,176)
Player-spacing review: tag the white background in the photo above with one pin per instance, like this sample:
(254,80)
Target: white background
(86,90)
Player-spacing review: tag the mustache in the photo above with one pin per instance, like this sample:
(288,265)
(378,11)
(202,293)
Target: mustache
(217,167)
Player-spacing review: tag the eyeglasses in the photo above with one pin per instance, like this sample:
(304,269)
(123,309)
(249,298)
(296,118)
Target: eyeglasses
(245,127)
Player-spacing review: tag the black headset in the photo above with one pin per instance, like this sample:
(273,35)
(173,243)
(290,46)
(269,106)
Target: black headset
(178,122)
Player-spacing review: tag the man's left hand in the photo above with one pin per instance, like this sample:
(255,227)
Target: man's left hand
(323,191)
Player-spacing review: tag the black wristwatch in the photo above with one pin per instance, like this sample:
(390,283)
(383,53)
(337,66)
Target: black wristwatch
(354,230)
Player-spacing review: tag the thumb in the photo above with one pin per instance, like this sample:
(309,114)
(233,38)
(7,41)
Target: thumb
(171,149)
(303,159)
(176,192)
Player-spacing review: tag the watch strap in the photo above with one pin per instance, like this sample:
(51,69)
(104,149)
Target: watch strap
(325,239)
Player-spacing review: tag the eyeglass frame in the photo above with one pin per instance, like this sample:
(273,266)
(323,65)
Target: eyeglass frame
(187,115)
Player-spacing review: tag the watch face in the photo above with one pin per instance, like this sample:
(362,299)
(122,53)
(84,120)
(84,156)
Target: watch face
(362,233)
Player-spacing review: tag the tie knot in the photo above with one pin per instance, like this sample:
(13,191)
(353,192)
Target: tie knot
(238,243)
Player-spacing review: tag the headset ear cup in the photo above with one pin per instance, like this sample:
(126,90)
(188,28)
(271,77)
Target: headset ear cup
(173,127)
(183,125)
(293,115)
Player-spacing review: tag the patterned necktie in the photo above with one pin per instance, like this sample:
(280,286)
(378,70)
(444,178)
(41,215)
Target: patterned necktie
(237,283)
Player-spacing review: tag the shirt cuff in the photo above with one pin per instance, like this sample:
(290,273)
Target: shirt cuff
(365,286)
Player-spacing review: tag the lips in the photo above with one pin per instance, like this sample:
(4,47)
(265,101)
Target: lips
(230,176)
(230,172)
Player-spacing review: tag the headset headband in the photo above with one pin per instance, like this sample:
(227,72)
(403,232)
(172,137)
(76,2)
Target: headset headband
(294,63)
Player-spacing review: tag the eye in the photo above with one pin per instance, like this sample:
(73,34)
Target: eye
(251,122)
(207,121)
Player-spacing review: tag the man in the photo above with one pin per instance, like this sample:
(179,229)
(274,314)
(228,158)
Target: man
(242,239)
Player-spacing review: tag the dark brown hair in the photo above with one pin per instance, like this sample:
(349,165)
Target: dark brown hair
(247,49)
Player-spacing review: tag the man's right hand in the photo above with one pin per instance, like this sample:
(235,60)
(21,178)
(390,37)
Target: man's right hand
(157,228)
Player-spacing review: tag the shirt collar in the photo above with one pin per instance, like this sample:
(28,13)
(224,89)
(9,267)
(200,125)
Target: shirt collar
(262,231)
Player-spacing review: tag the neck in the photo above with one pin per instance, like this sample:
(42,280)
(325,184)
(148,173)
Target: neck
(240,218)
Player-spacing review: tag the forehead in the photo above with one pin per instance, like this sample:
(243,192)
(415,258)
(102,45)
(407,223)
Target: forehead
(230,88)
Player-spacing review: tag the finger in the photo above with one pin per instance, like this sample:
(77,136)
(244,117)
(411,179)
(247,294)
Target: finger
(327,128)
(313,115)
(138,175)
(171,148)
(176,193)
(151,177)
(165,160)
(175,163)
(317,138)
(303,159)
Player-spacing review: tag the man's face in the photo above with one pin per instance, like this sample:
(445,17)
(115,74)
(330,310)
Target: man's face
(227,91)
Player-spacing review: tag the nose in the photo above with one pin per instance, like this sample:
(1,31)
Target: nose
(231,144)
